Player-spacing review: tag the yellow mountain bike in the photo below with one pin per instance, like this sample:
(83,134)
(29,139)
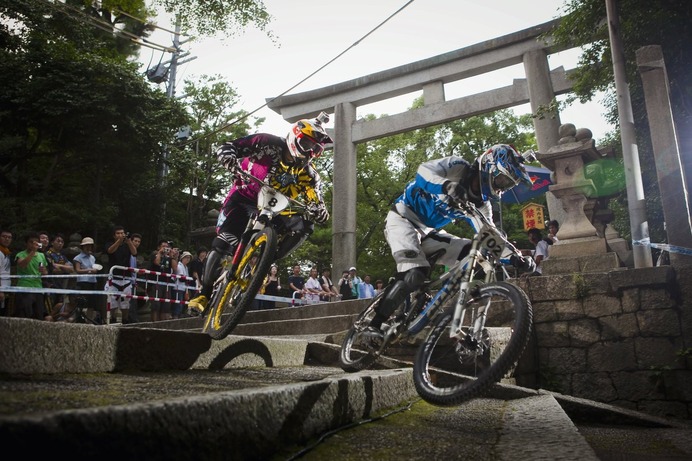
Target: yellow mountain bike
(269,235)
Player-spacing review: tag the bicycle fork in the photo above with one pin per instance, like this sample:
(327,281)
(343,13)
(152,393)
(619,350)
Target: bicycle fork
(478,316)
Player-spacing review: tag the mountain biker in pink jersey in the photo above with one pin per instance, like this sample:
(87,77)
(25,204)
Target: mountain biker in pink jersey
(282,162)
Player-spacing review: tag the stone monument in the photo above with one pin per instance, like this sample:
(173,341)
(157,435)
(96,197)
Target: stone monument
(579,239)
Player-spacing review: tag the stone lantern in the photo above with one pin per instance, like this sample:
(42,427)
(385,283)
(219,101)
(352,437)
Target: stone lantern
(578,237)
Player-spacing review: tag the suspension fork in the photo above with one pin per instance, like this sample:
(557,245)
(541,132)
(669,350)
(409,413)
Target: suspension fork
(250,230)
(466,278)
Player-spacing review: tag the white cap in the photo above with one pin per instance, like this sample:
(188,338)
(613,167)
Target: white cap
(352,269)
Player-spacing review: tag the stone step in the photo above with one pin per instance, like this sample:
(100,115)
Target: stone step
(108,392)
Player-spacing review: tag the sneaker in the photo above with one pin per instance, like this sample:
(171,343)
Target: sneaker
(197,305)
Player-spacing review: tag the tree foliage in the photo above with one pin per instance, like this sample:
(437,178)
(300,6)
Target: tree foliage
(81,132)
(211,103)
(209,17)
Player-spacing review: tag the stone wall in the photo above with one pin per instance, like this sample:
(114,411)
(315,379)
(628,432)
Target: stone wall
(622,337)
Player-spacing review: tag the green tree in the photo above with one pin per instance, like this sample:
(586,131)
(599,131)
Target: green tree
(80,130)
(209,17)
(211,102)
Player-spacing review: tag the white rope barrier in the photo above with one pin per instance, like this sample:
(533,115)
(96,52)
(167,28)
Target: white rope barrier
(137,278)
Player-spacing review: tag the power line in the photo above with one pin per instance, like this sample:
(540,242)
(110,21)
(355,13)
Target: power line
(357,42)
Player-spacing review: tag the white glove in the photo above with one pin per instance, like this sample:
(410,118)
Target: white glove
(227,155)
(456,191)
(319,211)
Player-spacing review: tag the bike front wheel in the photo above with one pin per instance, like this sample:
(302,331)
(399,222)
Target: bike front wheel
(231,300)
(448,371)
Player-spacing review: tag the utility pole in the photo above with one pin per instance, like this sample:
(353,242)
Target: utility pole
(170,92)
(639,226)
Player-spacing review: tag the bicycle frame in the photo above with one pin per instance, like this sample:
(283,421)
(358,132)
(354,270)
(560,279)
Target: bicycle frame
(270,202)
(486,249)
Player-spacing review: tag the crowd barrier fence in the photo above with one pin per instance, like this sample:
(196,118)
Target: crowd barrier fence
(127,282)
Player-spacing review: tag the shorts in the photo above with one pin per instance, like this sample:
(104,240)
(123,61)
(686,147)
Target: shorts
(121,301)
(410,245)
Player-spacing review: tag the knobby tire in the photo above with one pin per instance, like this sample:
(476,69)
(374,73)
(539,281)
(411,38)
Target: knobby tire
(358,353)
(229,307)
(447,371)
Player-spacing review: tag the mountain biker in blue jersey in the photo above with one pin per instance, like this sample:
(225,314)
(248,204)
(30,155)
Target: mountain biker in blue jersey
(413,225)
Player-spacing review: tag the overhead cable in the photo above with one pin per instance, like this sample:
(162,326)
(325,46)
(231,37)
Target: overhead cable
(357,42)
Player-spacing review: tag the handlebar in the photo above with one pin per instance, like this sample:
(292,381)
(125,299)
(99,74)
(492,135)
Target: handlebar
(471,210)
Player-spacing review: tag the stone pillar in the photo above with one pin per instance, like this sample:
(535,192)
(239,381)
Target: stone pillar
(541,96)
(344,193)
(669,169)
(577,235)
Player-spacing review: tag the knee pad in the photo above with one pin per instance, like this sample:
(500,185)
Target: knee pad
(224,243)
(290,243)
(294,239)
(415,278)
(464,252)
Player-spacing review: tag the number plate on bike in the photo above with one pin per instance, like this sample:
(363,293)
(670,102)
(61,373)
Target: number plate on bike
(272,199)
(491,244)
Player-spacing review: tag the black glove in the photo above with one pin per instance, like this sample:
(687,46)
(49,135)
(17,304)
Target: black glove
(319,211)
(456,191)
(227,155)
(521,262)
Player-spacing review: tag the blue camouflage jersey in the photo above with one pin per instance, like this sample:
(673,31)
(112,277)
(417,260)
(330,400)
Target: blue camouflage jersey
(425,202)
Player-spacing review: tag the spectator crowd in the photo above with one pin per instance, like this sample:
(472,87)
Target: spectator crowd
(45,277)
(58,274)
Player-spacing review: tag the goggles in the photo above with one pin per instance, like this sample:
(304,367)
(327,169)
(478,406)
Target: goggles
(503,182)
(308,145)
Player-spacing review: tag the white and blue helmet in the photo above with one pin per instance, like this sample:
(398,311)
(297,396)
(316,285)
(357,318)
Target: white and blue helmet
(501,168)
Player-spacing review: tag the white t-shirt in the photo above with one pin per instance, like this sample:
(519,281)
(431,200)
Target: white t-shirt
(181,284)
(541,250)
(5,268)
(313,284)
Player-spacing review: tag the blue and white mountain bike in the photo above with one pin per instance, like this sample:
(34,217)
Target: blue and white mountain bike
(480,325)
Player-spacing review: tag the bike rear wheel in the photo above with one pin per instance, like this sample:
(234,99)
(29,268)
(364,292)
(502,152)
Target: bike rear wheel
(229,302)
(359,350)
(448,371)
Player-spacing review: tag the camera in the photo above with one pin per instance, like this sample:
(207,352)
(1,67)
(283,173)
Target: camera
(127,235)
(40,245)
(166,250)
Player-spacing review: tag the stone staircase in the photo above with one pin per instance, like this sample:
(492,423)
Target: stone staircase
(270,391)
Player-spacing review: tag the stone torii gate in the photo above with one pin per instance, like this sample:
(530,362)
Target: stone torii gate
(539,88)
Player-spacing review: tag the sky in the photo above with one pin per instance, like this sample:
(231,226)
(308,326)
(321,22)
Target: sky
(311,35)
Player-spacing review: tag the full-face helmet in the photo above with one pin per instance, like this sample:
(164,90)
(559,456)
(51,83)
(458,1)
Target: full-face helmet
(501,168)
(307,138)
